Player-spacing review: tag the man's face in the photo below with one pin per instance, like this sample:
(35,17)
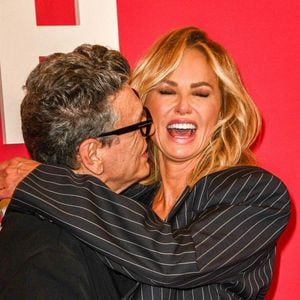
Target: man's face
(126,160)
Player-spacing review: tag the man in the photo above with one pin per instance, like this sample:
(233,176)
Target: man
(71,101)
(79,112)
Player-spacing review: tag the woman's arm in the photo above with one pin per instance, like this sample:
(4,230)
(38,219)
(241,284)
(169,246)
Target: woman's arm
(239,227)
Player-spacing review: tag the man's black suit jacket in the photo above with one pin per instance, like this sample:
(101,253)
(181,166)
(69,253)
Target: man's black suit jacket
(40,260)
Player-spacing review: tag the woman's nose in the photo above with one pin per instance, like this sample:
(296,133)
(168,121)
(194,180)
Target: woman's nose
(183,105)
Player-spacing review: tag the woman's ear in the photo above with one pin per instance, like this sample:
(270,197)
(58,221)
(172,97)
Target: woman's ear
(90,157)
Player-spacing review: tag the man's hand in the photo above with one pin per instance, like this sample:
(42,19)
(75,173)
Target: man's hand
(12,172)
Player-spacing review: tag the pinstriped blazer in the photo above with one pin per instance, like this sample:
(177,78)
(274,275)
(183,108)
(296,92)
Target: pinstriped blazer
(218,242)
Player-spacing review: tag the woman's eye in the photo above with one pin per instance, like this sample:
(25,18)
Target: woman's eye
(166,92)
(203,95)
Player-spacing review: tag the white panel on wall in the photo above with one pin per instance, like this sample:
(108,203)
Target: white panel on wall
(22,42)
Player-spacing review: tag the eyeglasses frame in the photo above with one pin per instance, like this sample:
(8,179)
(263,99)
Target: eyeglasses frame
(133,127)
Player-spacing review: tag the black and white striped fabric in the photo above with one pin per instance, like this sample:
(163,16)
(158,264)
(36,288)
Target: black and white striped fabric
(218,242)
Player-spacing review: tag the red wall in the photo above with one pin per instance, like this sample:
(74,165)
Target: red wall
(263,37)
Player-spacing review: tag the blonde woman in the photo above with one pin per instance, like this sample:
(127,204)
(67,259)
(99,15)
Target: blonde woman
(190,78)
(205,222)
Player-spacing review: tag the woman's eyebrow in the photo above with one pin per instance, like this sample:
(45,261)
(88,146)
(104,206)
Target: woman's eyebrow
(201,83)
(193,85)
(170,82)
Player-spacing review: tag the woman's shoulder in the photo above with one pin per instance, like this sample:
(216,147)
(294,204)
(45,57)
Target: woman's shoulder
(243,183)
(248,174)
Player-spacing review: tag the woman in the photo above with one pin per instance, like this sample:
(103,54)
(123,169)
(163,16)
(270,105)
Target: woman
(204,185)
(205,120)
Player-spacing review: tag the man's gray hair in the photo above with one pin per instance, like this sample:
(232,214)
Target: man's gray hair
(66,101)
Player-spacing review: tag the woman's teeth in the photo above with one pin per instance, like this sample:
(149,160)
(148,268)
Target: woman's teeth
(181,129)
(184,126)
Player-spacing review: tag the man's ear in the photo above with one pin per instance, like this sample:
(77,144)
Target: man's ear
(90,157)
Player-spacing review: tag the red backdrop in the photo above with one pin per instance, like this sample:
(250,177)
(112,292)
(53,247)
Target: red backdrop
(263,37)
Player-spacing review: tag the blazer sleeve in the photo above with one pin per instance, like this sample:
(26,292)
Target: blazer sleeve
(245,213)
(220,242)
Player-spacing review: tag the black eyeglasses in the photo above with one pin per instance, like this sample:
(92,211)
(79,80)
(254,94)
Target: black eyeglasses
(144,127)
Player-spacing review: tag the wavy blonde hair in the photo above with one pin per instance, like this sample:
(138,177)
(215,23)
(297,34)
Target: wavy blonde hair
(239,121)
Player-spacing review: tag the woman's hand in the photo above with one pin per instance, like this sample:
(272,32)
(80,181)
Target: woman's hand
(12,172)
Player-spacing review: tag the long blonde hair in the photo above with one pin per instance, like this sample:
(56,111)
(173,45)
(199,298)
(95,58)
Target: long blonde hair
(239,122)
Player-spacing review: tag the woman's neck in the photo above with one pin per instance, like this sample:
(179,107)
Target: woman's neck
(174,176)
